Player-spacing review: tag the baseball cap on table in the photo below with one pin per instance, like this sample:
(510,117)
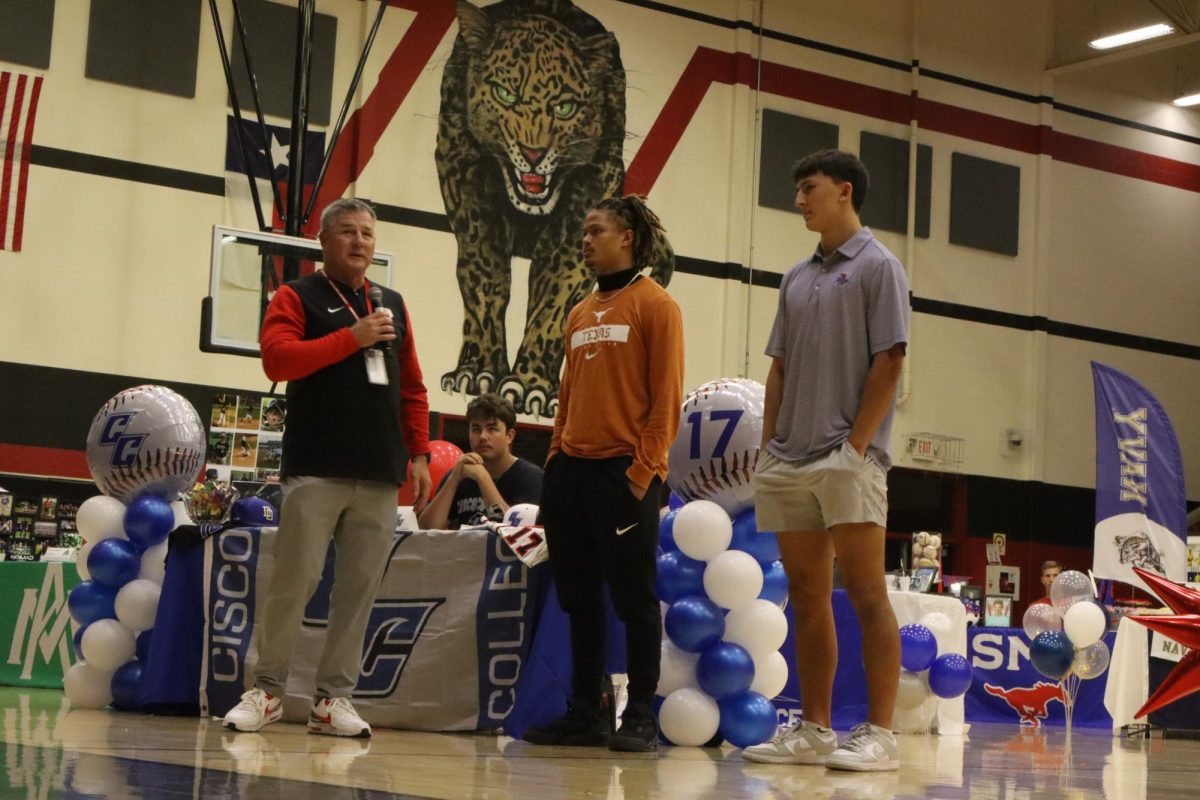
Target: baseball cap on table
(254,511)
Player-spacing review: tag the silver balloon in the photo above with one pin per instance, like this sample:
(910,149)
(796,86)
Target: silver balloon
(1041,617)
(713,456)
(145,439)
(1069,588)
(1091,661)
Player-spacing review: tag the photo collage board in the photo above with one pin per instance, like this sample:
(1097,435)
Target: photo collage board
(245,437)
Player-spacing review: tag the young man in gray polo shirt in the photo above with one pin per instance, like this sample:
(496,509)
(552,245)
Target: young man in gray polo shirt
(836,348)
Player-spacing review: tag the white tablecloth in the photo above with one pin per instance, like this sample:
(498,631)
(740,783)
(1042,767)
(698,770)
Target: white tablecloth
(939,716)
(1128,674)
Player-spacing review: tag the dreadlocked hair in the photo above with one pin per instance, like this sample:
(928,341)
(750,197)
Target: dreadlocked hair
(635,216)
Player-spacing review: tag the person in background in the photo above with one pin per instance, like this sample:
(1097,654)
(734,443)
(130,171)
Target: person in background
(357,414)
(488,479)
(1050,570)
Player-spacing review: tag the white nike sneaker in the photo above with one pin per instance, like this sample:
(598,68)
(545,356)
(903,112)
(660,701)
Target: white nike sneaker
(870,748)
(256,710)
(800,743)
(335,716)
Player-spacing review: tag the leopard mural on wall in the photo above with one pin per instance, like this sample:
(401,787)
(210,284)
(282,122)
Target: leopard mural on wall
(530,137)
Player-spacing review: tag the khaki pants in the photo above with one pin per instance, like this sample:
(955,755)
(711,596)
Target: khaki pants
(360,518)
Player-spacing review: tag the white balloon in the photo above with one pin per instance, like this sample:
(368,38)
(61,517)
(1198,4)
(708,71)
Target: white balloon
(107,644)
(1069,588)
(101,517)
(912,691)
(88,687)
(689,717)
(1084,624)
(703,530)
(154,563)
(759,626)
(677,669)
(81,558)
(942,628)
(137,604)
(770,674)
(733,578)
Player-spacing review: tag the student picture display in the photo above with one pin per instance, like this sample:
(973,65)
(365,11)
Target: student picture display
(245,438)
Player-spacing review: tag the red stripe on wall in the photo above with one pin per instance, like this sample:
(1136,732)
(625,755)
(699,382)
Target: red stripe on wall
(14,111)
(708,66)
(50,462)
(23,179)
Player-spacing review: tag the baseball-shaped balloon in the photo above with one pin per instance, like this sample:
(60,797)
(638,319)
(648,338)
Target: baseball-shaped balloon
(145,439)
(714,453)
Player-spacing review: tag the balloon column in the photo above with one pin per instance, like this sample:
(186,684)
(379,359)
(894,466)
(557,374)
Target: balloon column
(724,588)
(1068,635)
(145,445)
(928,666)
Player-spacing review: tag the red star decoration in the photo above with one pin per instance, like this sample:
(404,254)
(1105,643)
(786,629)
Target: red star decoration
(1182,627)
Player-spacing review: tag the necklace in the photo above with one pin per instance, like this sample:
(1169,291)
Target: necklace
(600,299)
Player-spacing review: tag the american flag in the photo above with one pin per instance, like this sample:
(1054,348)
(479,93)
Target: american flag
(18,107)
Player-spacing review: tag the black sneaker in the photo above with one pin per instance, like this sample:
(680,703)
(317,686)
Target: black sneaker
(638,733)
(577,728)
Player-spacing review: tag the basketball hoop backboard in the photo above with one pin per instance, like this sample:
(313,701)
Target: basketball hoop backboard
(247,267)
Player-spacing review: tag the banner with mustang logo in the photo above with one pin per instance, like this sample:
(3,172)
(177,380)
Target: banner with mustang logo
(1007,687)
(1141,500)
(455,609)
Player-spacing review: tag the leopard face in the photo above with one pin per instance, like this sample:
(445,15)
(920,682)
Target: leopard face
(535,102)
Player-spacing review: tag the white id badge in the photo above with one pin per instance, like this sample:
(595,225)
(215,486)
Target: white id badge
(376,369)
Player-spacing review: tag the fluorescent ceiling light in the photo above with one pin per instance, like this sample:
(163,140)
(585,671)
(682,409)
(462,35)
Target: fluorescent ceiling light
(1187,100)
(1129,37)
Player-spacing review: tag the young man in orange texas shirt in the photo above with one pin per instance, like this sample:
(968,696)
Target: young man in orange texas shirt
(618,412)
(356,414)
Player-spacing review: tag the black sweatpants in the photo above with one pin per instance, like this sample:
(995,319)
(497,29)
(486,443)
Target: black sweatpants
(600,534)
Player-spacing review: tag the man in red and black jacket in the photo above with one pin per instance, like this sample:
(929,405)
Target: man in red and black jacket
(357,413)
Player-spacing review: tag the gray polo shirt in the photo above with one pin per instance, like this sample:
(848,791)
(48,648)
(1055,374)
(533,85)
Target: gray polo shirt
(835,312)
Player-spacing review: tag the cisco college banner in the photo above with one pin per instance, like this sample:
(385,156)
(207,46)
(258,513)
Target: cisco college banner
(1141,502)
(445,643)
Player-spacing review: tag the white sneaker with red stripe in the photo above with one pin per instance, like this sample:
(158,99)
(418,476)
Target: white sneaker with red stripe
(334,716)
(256,710)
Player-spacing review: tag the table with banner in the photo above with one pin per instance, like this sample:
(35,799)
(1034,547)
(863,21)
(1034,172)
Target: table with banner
(1141,660)
(1008,689)
(35,625)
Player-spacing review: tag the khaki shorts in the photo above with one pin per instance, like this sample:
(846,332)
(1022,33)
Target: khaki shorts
(840,488)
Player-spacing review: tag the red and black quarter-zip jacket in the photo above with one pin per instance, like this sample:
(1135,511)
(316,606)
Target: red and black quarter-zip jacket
(339,425)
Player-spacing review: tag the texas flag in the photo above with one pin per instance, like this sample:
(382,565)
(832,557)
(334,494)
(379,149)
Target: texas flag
(268,164)
(1141,501)
(18,108)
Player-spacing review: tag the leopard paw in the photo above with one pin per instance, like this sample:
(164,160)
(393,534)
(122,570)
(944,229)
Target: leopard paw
(465,380)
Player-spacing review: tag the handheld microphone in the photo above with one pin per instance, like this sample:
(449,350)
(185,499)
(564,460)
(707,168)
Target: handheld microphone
(375,295)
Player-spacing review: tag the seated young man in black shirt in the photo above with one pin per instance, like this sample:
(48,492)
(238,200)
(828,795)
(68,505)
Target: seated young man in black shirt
(489,478)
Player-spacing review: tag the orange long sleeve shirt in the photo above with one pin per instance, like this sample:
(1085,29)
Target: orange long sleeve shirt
(623,382)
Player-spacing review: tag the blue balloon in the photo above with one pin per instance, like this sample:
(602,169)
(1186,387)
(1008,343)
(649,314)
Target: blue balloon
(114,562)
(950,676)
(918,647)
(675,502)
(746,537)
(90,601)
(747,719)
(694,623)
(1052,654)
(77,641)
(724,670)
(666,533)
(678,576)
(143,645)
(127,687)
(775,583)
(148,521)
